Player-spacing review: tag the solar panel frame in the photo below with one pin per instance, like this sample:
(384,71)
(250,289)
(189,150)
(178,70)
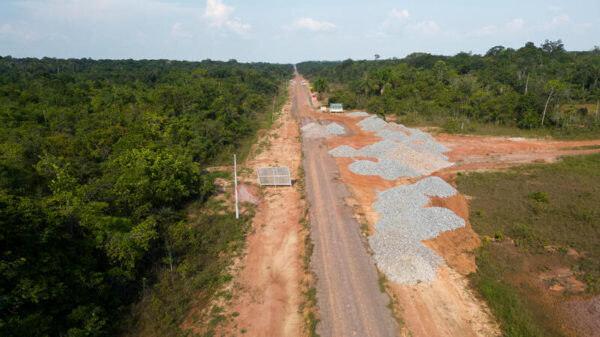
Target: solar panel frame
(274,176)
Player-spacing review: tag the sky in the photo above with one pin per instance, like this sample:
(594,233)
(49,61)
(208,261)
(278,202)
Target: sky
(287,31)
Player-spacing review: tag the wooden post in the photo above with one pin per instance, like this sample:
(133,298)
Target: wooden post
(237,210)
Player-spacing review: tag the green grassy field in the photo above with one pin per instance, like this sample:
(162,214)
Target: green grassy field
(531,217)
(446,125)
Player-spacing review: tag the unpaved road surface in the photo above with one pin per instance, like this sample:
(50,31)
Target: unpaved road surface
(266,285)
(350,302)
(446,307)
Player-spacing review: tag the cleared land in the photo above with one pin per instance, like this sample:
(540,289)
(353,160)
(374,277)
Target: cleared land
(539,265)
(265,292)
(348,295)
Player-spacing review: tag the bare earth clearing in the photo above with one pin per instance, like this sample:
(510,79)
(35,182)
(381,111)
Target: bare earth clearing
(266,285)
(267,280)
(349,299)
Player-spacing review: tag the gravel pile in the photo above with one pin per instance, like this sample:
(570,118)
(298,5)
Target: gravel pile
(388,169)
(335,129)
(422,162)
(377,150)
(393,135)
(421,224)
(410,148)
(372,124)
(357,114)
(344,151)
(404,260)
(313,130)
(405,222)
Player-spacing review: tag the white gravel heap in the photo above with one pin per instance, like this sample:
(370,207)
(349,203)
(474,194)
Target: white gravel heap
(313,130)
(421,224)
(405,222)
(335,129)
(316,130)
(404,260)
(372,124)
(357,114)
(409,148)
(344,151)
(386,168)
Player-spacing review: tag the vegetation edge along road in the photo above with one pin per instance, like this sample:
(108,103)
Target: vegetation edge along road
(104,198)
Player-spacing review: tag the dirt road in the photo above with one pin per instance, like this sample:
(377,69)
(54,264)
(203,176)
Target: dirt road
(349,299)
(266,286)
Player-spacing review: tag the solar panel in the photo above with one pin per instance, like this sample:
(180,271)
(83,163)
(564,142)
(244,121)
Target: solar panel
(274,176)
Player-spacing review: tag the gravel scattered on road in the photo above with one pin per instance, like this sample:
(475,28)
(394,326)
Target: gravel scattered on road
(335,129)
(315,130)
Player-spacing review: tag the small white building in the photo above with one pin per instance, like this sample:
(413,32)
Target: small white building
(336,107)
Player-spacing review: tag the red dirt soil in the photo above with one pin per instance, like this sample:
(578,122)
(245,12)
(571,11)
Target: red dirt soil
(447,307)
(266,286)
(485,153)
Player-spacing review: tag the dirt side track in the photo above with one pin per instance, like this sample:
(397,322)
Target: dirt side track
(349,298)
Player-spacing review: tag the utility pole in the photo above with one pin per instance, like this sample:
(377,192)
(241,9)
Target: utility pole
(237,209)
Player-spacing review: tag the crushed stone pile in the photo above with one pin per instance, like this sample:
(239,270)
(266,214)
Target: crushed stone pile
(344,151)
(315,130)
(372,124)
(357,114)
(409,148)
(388,169)
(404,260)
(335,129)
(404,223)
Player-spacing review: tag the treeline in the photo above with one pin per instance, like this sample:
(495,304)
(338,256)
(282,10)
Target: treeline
(97,160)
(530,87)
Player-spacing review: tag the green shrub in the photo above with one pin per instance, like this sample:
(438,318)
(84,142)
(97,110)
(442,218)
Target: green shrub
(539,197)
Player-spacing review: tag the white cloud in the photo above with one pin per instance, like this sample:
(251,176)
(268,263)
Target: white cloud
(516,24)
(238,27)
(554,8)
(400,14)
(562,18)
(428,27)
(178,31)
(485,31)
(5,28)
(313,25)
(219,14)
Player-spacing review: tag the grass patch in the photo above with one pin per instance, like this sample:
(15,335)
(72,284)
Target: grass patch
(469,127)
(524,211)
(584,147)
(201,249)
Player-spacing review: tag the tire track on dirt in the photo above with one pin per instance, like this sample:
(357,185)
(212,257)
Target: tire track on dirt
(349,300)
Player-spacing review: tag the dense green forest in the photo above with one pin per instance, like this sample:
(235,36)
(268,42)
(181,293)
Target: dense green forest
(531,87)
(97,161)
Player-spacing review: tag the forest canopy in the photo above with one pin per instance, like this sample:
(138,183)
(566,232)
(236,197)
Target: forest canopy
(530,87)
(97,158)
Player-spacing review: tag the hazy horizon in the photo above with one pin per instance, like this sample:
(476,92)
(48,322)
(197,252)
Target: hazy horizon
(267,31)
